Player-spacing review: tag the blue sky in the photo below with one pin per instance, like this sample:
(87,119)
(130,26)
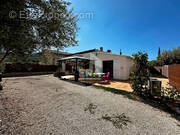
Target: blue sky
(130,25)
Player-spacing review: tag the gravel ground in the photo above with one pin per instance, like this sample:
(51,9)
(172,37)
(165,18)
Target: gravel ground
(45,105)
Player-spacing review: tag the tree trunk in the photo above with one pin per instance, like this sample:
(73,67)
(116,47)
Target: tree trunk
(5,55)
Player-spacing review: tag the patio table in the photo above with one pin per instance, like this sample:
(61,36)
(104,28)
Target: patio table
(100,74)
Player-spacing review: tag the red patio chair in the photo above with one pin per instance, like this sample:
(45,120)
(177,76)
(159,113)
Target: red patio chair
(106,77)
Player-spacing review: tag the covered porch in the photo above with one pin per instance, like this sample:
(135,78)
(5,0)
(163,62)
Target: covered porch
(76,68)
(84,69)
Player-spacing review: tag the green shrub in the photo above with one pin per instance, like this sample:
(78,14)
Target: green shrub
(171,93)
(139,75)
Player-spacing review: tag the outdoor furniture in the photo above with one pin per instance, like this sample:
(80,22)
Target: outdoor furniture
(81,73)
(106,77)
(93,75)
(99,74)
(89,72)
(85,75)
(67,77)
(76,60)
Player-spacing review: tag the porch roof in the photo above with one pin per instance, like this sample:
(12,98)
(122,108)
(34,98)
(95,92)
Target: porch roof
(74,57)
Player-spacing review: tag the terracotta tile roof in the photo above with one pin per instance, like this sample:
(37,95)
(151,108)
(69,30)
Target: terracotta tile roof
(92,50)
(129,57)
(87,51)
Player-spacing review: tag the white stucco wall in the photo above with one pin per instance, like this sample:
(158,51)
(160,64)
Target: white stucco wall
(125,66)
(121,64)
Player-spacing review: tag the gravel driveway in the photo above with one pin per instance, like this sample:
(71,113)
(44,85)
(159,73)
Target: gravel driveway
(46,105)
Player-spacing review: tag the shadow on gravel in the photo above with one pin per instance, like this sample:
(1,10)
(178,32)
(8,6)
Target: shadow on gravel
(156,103)
(118,121)
(77,83)
(91,108)
(116,91)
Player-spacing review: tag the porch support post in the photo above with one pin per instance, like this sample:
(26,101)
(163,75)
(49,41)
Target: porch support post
(76,72)
(76,64)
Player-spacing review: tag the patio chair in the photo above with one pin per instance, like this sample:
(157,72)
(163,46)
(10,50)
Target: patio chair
(84,75)
(89,73)
(93,75)
(106,77)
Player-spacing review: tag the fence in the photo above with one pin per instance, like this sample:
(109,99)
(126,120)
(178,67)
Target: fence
(163,70)
(174,75)
(9,68)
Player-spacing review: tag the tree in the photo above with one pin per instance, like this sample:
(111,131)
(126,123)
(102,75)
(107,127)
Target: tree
(46,58)
(14,33)
(30,25)
(139,75)
(170,57)
(167,57)
(159,54)
(153,63)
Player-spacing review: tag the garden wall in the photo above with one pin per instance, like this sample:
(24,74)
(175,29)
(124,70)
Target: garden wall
(9,68)
(174,75)
(163,70)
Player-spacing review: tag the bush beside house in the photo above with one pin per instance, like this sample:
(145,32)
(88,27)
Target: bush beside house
(139,75)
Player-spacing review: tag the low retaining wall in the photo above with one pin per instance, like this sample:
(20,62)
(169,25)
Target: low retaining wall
(9,68)
(21,74)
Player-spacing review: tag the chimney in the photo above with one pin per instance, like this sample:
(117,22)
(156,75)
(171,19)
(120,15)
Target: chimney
(120,52)
(101,49)
(109,51)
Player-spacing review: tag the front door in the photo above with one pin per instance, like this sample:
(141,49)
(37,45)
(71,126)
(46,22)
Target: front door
(108,67)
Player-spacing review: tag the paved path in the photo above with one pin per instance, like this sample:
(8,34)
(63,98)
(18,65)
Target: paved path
(45,105)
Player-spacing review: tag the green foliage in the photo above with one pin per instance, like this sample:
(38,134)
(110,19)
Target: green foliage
(170,57)
(16,58)
(16,36)
(46,58)
(139,75)
(45,24)
(171,93)
(167,58)
(153,63)
(34,58)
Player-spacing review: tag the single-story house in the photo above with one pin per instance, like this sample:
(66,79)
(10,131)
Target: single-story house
(100,62)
